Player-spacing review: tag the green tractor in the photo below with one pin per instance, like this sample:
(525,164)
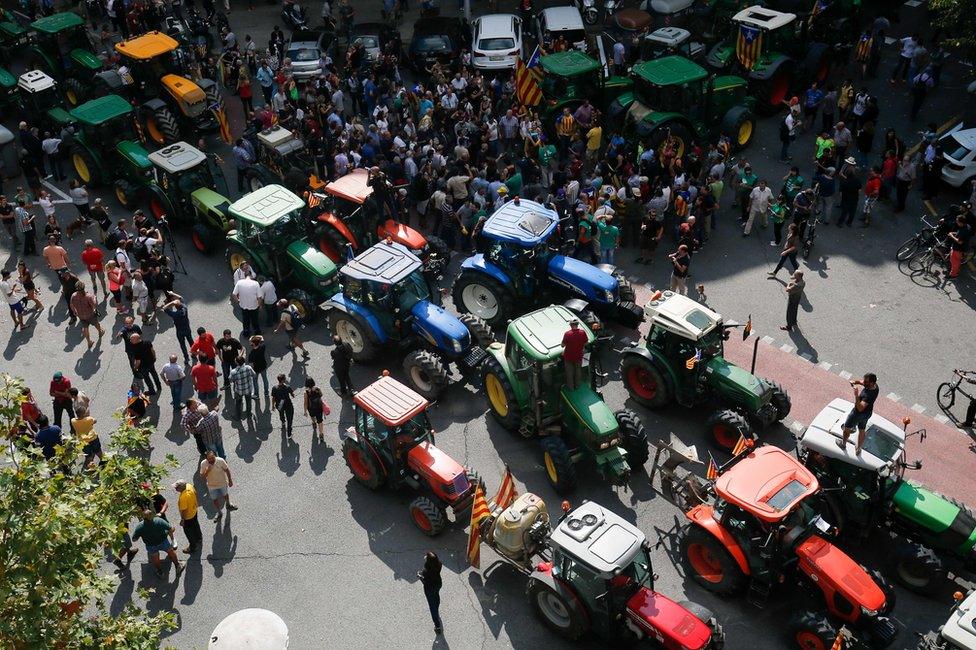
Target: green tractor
(106,149)
(270,235)
(675,98)
(8,90)
(569,78)
(525,382)
(61,48)
(13,37)
(777,52)
(41,102)
(682,360)
(867,492)
(282,157)
(189,187)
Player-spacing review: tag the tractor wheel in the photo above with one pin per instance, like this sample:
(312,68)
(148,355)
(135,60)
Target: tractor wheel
(560,469)
(481,334)
(214,96)
(705,615)
(254,180)
(781,400)
(813,631)
(426,373)
(204,239)
(235,256)
(126,193)
(362,464)
(333,243)
(817,63)
(591,320)
(295,181)
(86,167)
(355,333)
(771,92)
(885,587)
(739,125)
(684,138)
(501,396)
(726,427)
(158,207)
(634,438)
(484,296)
(625,290)
(161,126)
(920,570)
(74,91)
(429,517)
(629,315)
(645,383)
(304,304)
(555,610)
(708,562)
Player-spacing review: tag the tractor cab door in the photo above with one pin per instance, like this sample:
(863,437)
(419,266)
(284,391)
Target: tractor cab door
(381,300)
(593,590)
(376,433)
(675,351)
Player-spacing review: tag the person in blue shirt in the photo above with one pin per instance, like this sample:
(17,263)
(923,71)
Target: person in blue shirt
(48,436)
(811,102)
(265,78)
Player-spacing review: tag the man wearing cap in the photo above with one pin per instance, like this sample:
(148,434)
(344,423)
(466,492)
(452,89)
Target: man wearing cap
(187,504)
(574,342)
(849,190)
(60,396)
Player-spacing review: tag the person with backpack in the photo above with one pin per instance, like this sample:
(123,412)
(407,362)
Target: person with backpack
(921,84)
(292,323)
(787,134)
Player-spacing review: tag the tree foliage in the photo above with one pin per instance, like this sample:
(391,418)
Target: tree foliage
(58,523)
(955,19)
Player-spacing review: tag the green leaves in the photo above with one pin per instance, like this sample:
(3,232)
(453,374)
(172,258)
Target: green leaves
(955,17)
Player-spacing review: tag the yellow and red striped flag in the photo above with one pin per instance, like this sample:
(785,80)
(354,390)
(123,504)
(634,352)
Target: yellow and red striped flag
(740,446)
(479,510)
(748,46)
(506,491)
(839,641)
(528,74)
(712,472)
(818,6)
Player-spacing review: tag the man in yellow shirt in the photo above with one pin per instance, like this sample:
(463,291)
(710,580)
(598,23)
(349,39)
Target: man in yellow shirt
(187,504)
(83,425)
(594,137)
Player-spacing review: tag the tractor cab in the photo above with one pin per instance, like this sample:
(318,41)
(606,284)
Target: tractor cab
(13,36)
(281,151)
(572,76)
(774,31)
(39,96)
(63,35)
(107,142)
(190,181)
(517,236)
(670,41)
(155,65)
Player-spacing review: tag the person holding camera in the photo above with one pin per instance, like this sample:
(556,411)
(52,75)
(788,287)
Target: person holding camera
(866,392)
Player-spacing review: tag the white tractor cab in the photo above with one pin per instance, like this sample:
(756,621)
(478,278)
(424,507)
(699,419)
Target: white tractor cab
(553,22)
(959,632)
(670,11)
(667,41)
(884,441)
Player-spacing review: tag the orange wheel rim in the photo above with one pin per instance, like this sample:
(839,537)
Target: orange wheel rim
(421,519)
(809,641)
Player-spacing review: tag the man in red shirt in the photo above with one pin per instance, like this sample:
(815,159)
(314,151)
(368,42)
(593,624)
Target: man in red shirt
(872,189)
(94,261)
(205,345)
(60,396)
(574,341)
(204,377)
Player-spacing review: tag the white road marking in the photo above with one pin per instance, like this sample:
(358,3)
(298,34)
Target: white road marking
(894,397)
(825,365)
(807,356)
(918,408)
(845,375)
(786,347)
(53,188)
(943,419)
(768,340)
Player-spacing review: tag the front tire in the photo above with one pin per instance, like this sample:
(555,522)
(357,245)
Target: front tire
(781,400)
(709,563)
(739,125)
(86,167)
(304,304)
(625,290)
(126,193)
(355,333)
(483,296)
(726,427)
(920,570)
(235,256)
(74,91)
(429,517)
(502,401)
(204,239)
(560,469)
(645,383)
(907,250)
(161,126)
(426,373)
(634,439)
(555,610)
(481,334)
(812,631)
(706,616)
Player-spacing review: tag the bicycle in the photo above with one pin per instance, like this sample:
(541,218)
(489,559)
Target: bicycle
(932,260)
(911,246)
(946,393)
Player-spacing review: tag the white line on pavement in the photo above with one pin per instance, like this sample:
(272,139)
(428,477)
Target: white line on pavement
(845,375)
(53,188)
(918,408)
(894,397)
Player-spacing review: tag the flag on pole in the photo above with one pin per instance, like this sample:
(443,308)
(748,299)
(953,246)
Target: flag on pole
(528,74)
(691,362)
(839,641)
(740,446)
(862,51)
(479,510)
(506,491)
(748,46)
(712,472)
(747,330)
(818,6)
(225,134)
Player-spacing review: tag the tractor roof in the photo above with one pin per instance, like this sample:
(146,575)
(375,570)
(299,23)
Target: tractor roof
(598,538)
(148,46)
(101,110)
(34,81)
(390,401)
(280,139)
(569,63)
(884,441)
(763,17)
(767,483)
(56,23)
(354,186)
(670,71)
(526,223)
(382,262)
(177,157)
(266,205)
(681,315)
(540,333)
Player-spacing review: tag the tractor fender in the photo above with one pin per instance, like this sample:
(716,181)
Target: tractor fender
(49,65)
(576,305)
(153,105)
(343,304)
(110,79)
(338,224)
(158,193)
(543,573)
(703,515)
(770,70)
(666,370)
(440,328)
(479,264)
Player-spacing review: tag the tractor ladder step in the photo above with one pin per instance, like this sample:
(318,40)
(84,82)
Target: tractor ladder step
(759,589)
(474,357)
(527,427)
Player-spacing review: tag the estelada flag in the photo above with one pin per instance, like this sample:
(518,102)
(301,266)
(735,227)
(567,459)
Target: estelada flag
(506,491)
(479,510)
(838,642)
(818,6)
(747,330)
(748,46)
(740,446)
(691,362)
(528,74)
(225,134)
(712,472)
(863,49)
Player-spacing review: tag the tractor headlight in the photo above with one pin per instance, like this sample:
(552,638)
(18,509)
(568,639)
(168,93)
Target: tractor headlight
(608,295)
(612,442)
(868,612)
(325,283)
(457,346)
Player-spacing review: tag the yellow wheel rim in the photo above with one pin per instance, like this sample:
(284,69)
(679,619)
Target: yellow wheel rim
(496,395)
(153,130)
(71,96)
(236,259)
(120,195)
(299,307)
(551,468)
(745,132)
(680,149)
(81,167)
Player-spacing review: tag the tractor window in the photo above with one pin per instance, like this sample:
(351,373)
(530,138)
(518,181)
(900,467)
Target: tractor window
(417,428)
(368,425)
(880,445)
(657,337)
(586,581)
(352,288)
(661,98)
(554,86)
(412,290)
(378,294)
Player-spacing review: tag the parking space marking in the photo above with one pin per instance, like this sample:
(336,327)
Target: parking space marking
(845,375)
(786,347)
(825,365)
(941,418)
(894,397)
(53,188)
(918,408)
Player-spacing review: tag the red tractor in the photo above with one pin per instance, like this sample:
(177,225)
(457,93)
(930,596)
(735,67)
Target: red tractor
(352,212)
(758,531)
(392,444)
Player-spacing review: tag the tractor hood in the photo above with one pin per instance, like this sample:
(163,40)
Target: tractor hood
(86,59)
(438,468)
(582,279)
(440,328)
(738,385)
(205,200)
(134,153)
(401,234)
(949,525)
(58,115)
(312,259)
(661,618)
(823,561)
(595,416)
(193,100)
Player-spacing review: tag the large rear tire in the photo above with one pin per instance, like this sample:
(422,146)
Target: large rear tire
(86,167)
(484,296)
(560,469)
(739,125)
(428,516)
(771,92)
(355,333)
(74,91)
(362,464)
(645,383)
(634,439)
(205,239)
(708,563)
(555,610)
(304,304)
(781,400)
(725,427)
(161,126)
(502,401)
(426,373)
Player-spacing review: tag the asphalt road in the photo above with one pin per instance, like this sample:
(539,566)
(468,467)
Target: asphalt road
(339,563)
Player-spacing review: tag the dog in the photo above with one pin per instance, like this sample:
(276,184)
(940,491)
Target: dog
(79,224)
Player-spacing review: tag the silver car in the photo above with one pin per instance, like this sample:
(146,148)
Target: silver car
(306,59)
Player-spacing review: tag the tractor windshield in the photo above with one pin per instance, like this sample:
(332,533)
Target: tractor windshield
(196,178)
(660,98)
(580,86)
(412,290)
(711,343)
(881,445)
(418,429)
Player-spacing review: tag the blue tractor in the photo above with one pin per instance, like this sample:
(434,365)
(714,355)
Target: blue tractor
(521,269)
(386,303)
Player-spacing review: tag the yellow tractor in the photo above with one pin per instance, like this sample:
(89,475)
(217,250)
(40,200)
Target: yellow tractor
(171,107)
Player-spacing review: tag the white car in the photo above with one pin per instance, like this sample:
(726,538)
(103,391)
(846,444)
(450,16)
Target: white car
(496,41)
(553,22)
(959,151)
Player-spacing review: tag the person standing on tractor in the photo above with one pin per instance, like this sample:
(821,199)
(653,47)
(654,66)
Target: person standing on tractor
(864,398)
(574,341)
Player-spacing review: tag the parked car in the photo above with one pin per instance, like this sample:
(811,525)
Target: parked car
(497,41)
(553,22)
(375,37)
(959,151)
(438,39)
(305,57)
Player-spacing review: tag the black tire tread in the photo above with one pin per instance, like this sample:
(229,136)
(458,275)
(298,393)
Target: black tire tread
(433,366)
(634,438)
(663,395)
(435,515)
(562,460)
(514,417)
(377,481)
(734,579)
